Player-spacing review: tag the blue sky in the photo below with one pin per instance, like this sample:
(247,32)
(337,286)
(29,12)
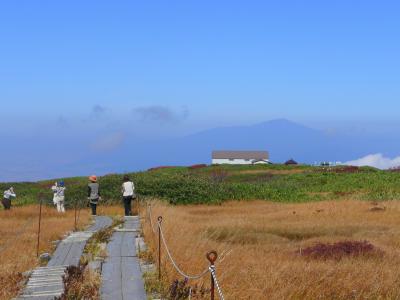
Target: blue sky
(165,68)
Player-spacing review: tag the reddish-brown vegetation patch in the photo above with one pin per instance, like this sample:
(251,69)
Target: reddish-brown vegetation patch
(340,250)
(160,168)
(346,169)
(198,166)
(218,175)
(394,169)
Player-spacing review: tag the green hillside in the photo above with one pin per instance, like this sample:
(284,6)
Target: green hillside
(214,184)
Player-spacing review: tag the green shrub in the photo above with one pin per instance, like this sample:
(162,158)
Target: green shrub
(215,184)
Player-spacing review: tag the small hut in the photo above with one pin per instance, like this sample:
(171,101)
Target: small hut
(291,162)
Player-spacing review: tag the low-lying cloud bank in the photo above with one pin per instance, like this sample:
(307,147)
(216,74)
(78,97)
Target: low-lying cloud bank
(377,161)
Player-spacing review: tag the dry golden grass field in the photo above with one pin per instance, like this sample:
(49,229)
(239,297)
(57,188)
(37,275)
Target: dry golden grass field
(18,229)
(263,245)
(18,237)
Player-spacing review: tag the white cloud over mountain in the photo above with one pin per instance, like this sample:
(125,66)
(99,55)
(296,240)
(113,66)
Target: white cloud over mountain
(377,160)
(109,142)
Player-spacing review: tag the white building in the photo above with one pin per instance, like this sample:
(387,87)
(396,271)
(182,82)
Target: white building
(240,157)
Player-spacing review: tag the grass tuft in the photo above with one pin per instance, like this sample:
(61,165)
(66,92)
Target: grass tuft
(81,283)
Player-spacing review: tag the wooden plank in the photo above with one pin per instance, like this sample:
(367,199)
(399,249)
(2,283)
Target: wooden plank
(75,253)
(46,289)
(46,283)
(101,223)
(128,247)
(121,274)
(114,247)
(59,255)
(111,288)
(132,281)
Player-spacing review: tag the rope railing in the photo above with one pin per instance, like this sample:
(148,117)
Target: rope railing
(211,256)
(202,274)
(214,275)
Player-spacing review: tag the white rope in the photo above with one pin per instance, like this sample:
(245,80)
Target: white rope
(174,263)
(214,275)
(211,269)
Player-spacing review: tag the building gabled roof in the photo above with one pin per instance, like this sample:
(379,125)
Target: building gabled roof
(291,162)
(257,155)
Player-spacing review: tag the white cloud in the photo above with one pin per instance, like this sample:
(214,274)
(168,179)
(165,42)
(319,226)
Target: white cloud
(376,160)
(109,142)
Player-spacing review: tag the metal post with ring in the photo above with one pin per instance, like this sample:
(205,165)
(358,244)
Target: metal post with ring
(212,257)
(40,196)
(159,219)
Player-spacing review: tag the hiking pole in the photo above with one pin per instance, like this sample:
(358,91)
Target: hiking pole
(40,221)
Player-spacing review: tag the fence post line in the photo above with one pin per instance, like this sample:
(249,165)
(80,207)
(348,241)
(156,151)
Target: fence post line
(40,221)
(159,247)
(212,257)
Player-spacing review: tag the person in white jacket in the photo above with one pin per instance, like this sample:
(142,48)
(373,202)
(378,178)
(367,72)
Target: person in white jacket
(128,193)
(7,195)
(59,195)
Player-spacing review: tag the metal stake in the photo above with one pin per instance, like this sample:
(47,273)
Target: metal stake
(76,206)
(159,247)
(79,212)
(40,221)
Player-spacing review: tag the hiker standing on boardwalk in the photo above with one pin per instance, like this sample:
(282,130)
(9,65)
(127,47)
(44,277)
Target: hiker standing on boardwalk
(128,193)
(93,193)
(59,195)
(8,194)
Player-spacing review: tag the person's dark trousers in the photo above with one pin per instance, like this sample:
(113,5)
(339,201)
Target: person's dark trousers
(93,206)
(128,205)
(6,203)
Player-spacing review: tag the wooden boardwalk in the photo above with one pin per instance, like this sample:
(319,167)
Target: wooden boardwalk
(121,274)
(46,283)
(69,252)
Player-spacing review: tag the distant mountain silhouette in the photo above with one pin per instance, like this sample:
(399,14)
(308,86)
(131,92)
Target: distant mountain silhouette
(282,138)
